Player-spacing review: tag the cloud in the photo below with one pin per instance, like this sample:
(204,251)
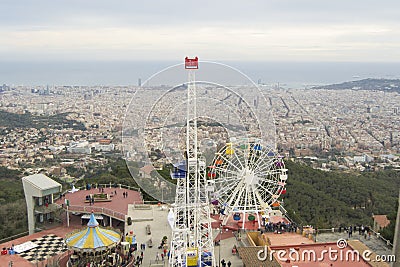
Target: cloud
(229,30)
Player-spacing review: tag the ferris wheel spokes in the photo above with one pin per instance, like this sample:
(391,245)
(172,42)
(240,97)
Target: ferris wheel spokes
(249,178)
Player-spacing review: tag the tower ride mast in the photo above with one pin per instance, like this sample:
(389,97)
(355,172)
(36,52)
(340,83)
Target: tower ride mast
(192,242)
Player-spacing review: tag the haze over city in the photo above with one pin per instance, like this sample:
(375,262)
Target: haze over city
(99,42)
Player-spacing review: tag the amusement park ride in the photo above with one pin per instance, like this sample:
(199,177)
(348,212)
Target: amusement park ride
(247,178)
(192,242)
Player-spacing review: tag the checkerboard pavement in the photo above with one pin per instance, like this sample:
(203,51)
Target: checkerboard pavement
(48,246)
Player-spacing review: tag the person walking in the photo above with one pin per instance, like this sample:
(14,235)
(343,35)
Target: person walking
(229,263)
(157,257)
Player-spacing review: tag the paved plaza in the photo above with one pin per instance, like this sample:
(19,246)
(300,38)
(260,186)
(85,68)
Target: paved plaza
(156,217)
(374,243)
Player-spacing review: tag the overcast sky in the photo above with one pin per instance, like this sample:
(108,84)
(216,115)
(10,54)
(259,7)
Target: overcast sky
(273,30)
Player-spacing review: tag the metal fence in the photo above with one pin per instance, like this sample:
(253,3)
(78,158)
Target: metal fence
(336,230)
(105,211)
(4,240)
(89,209)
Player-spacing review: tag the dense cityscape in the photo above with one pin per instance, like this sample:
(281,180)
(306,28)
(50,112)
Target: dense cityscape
(334,129)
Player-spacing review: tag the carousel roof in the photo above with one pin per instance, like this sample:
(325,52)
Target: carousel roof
(92,238)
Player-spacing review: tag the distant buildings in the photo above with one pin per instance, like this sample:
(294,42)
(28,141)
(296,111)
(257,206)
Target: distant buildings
(82,147)
(104,145)
(309,123)
(363,159)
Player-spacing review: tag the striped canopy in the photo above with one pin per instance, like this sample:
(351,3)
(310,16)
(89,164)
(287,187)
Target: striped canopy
(93,238)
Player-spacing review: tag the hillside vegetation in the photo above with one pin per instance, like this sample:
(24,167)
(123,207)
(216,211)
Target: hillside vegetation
(323,199)
(12,202)
(388,85)
(28,120)
(331,199)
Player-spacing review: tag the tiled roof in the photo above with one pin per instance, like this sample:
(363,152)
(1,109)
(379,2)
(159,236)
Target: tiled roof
(360,247)
(41,181)
(147,169)
(381,220)
(250,258)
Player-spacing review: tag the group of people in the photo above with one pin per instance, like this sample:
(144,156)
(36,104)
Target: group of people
(165,253)
(90,199)
(138,260)
(362,230)
(225,264)
(113,258)
(280,227)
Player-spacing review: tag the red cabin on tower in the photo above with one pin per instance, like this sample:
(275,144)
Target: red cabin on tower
(191,63)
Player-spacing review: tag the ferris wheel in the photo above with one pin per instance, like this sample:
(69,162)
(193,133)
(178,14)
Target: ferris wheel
(248,179)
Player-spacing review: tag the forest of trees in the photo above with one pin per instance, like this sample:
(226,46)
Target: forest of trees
(28,120)
(331,199)
(322,199)
(13,218)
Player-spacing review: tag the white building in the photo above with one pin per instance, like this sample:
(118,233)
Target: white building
(363,159)
(39,195)
(104,147)
(80,147)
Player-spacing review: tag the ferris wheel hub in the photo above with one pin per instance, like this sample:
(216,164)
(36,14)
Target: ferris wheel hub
(250,178)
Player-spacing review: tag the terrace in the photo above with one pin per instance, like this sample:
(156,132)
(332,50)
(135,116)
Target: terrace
(116,209)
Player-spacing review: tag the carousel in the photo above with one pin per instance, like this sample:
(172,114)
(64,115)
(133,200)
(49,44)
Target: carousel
(93,245)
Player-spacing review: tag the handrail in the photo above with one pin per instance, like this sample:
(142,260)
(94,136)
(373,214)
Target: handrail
(13,237)
(108,185)
(89,209)
(285,213)
(105,211)
(377,234)
(148,202)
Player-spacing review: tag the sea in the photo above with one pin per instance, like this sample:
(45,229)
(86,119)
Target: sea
(284,74)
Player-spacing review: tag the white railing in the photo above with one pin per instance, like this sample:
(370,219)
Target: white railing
(89,209)
(4,240)
(108,185)
(336,230)
(378,235)
(105,211)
